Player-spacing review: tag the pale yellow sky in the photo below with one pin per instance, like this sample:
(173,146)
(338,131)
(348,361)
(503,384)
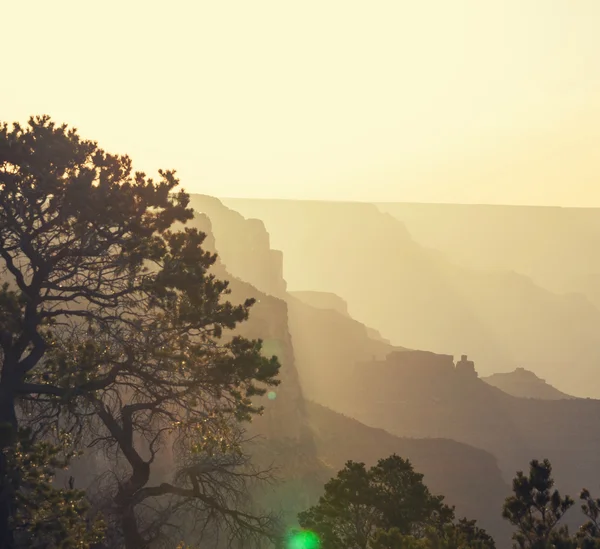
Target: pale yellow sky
(446,100)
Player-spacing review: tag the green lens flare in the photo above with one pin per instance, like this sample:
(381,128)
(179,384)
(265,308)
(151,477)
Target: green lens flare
(304,539)
(272,395)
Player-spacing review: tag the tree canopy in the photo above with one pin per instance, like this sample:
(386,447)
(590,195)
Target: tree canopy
(113,329)
(537,511)
(385,507)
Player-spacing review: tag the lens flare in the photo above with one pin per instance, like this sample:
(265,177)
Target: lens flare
(303,539)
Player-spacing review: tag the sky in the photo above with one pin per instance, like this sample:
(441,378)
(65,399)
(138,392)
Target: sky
(473,101)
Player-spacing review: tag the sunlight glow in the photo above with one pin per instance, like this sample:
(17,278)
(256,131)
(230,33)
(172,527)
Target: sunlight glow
(463,101)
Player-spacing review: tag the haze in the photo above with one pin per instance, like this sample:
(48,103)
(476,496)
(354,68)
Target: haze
(464,101)
(388,255)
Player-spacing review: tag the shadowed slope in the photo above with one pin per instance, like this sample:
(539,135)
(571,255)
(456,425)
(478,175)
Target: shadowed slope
(419,394)
(450,468)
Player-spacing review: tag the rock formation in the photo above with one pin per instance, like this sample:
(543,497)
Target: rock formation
(524,383)
(421,298)
(466,367)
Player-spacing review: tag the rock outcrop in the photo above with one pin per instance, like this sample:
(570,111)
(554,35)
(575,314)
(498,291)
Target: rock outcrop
(466,367)
(244,246)
(525,384)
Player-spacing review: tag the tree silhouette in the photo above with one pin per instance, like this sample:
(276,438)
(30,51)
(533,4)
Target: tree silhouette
(464,534)
(47,516)
(112,326)
(385,507)
(588,536)
(536,509)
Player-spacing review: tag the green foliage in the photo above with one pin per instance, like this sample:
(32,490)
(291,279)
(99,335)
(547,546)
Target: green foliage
(394,539)
(111,320)
(344,516)
(536,508)
(386,507)
(403,500)
(589,533)
(46,516)
(464,534)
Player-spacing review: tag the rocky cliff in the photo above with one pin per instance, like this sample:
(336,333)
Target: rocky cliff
(284,415)
(420,298)
(304,439)
(244,246)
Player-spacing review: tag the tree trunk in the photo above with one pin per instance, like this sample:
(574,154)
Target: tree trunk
(131,534)
(8,431)
(124,502)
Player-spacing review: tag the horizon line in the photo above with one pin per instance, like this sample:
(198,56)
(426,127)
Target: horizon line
(414,203)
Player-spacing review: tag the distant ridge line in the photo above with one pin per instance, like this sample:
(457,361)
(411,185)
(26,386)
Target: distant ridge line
(384,202)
